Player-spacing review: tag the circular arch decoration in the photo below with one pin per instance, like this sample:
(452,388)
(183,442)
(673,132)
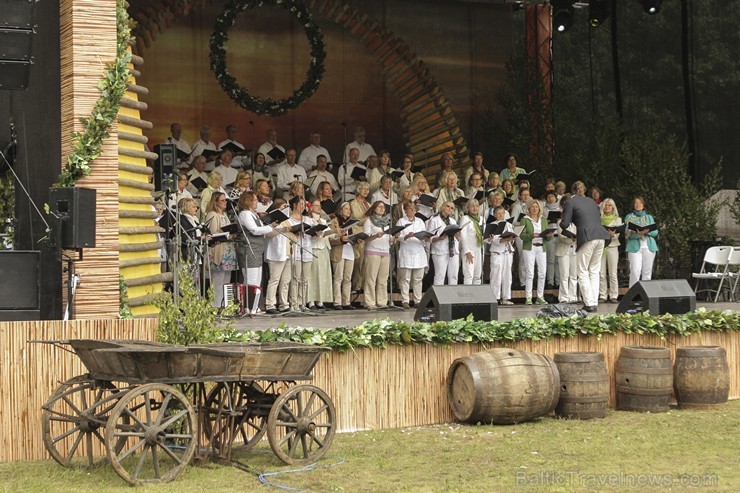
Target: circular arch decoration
(430,125)
(240,96)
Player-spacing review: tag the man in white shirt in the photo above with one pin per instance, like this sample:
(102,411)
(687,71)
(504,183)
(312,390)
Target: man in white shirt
(288,173)
(241,158)
(344,176)
(180,143)
(198,171)
(228,173)
(269,145)
(366,150)
(202,144)
(307,160)
(321,175)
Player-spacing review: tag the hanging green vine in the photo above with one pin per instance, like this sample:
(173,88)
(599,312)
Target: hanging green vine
(86,145)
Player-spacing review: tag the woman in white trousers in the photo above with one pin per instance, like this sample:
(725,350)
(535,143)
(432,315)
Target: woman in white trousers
(609,260)
(471,243)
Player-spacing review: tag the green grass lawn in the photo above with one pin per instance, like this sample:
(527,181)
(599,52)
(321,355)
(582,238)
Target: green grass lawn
(675,451)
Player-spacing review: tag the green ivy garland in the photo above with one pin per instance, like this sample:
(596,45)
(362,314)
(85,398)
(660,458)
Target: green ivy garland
(269,106)
(381,333)
(87,145)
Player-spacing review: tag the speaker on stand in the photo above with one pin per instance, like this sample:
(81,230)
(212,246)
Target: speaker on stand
(673,296)
(454,302)
(165,166)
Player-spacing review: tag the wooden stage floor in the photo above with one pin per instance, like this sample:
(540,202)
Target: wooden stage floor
(336,318)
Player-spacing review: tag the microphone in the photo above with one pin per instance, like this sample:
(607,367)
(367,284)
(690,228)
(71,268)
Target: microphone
(251,122)
(344,124)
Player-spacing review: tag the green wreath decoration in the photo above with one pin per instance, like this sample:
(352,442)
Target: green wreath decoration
(269,106)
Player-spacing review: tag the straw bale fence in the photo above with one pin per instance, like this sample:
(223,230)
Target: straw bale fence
(371,388)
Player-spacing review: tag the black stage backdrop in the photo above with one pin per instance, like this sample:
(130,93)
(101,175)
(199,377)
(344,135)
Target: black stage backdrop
(37,115)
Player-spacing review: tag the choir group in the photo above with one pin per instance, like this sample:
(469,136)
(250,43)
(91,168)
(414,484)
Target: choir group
(326,232)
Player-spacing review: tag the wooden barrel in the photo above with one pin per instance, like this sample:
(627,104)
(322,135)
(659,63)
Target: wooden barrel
(701,376)
(502,386)
(584,385)
(644,377)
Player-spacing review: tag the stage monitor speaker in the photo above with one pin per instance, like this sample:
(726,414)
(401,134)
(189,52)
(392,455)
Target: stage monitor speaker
(16,39)
(454,302)
(19,289)
(165,166)
(77,207)
(663,296)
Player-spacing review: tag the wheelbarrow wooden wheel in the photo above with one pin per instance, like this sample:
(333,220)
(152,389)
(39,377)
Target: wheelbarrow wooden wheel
(159,427)
(234,416)
(301,425)
(74,418)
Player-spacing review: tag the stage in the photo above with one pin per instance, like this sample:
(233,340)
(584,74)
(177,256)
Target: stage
(335,318)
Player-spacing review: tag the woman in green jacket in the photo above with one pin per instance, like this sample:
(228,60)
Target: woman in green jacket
(641,245)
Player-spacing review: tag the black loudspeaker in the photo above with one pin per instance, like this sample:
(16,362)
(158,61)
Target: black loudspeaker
(16,39)
(19,289)
(74,209)
(664,296)
(453,302)
(165,166)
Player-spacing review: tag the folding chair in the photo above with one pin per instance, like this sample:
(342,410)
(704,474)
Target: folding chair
(734,271)
(714,267)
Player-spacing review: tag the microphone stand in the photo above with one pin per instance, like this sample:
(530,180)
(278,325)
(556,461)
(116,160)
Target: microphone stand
(303,287)
(254,146)
(242,229)
(392,259)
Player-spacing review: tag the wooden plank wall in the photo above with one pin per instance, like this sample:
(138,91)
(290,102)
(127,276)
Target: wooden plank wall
(371,388)
(31,372)
(88,43)
(406,385)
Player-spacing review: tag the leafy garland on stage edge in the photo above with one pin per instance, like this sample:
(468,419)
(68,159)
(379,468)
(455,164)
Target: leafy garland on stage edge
(381,333)
(86,145)
(227,81)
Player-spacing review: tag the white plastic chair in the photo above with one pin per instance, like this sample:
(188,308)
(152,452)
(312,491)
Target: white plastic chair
(734,271)
(714,268)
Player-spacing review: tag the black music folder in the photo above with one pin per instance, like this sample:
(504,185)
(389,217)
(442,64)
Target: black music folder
(553,216)
(452,229)
(210,154)
(649,227)
(428,200)
(616,229)
(423,235)
(357,237)
(359,172)
(199,183)
(276,154)
(276,216)
(396,229)
(235,149)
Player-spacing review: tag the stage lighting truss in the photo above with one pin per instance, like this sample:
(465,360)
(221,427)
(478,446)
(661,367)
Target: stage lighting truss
(562,14)
(651,7)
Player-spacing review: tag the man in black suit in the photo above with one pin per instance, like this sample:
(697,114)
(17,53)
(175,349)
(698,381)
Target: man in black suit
(591,239)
